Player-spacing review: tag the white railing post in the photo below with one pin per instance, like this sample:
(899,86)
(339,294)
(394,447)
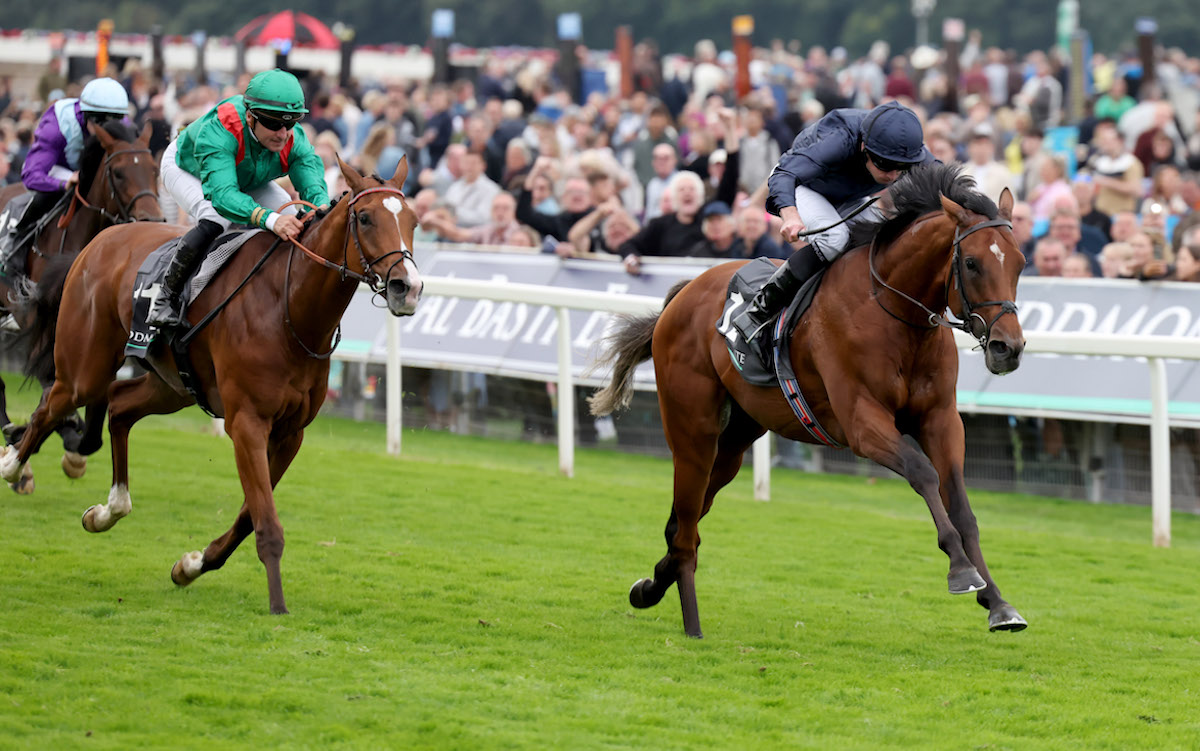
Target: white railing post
(1160,454)
(762,467)
(394,392)
(566,395)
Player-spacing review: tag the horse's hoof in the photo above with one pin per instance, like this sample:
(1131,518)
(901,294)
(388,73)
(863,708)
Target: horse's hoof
(24,483)
(641,594)
(1006,619)
(10,467)
(89,519)
(74,465)
(966,581)
(12,432)
(280,611)
(187,569)
(697,635)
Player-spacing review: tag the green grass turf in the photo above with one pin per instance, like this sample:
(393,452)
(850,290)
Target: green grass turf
(466,596)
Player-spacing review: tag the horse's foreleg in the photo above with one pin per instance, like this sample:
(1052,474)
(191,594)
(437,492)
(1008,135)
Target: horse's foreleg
(250,433)
(128,402)
(871,433)
(280,455)
(57,402)
(942,438)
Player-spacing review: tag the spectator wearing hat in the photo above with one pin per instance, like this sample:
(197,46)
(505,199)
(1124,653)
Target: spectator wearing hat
(991,176)
(719,232)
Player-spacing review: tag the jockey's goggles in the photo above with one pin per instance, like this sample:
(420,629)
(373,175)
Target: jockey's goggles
(101,118)
(271,123)
(887,165)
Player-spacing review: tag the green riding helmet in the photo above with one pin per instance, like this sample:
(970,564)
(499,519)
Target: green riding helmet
(277,94)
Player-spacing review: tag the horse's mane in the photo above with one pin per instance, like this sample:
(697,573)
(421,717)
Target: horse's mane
(93,152)
(918,193)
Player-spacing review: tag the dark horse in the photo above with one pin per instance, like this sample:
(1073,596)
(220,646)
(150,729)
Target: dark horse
(257,362)
(118,183)
(871,358)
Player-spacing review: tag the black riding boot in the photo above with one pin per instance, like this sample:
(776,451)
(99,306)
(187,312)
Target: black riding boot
(778,291)
(168,306)
(15,246)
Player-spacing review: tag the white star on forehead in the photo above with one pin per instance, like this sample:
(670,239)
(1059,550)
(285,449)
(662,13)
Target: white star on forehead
(998,253)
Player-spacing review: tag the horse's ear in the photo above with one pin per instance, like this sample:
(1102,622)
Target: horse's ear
(401,175)
(353,178)
(1006,204)
(144,138)
(103,136)
(955,212)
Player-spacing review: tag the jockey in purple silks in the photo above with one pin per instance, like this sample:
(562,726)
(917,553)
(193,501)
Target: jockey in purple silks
(52,165)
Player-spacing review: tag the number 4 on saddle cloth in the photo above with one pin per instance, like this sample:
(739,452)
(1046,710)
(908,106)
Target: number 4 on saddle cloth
(148,284)
(766,361)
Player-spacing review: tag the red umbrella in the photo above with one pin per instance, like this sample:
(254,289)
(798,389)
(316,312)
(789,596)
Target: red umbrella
(299,28)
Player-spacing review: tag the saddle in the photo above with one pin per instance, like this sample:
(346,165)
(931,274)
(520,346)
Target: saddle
(13,249)
(766,361)
(149,279)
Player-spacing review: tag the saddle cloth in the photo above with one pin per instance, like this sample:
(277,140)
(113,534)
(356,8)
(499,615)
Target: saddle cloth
(149,279)
(755,360)
(767,361)
(14,211)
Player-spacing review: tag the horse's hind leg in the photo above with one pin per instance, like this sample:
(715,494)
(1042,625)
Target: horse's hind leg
(71,430)
(128,402)
(704,464)
(188,568)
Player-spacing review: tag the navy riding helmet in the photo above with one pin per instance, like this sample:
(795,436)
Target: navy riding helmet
(892,135)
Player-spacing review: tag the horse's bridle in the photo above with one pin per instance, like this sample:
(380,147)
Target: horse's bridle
(125,207)
(972,323)
(370,276)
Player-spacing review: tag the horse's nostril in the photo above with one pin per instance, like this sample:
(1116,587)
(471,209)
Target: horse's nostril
(998,349)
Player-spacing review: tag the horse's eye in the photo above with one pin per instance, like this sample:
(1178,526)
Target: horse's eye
(118,174)
(364,218)
(972,264)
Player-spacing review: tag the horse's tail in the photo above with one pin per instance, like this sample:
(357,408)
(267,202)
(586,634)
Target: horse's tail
(626,347)
(38,305)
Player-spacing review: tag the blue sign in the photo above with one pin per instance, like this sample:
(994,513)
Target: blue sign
(442,24)
(570,26)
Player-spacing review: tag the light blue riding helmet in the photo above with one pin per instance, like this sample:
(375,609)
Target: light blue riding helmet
(104,95)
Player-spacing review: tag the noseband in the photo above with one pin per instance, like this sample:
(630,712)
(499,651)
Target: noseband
(973,324)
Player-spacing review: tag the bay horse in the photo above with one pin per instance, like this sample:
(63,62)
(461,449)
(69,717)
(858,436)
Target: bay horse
(871,358)
(262,363)
(118,183)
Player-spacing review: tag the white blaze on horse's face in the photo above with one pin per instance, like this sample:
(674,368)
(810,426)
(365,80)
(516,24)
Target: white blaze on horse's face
(998,253)
(394,205)
(415,286)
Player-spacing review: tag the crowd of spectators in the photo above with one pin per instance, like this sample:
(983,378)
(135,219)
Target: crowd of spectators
(510,159)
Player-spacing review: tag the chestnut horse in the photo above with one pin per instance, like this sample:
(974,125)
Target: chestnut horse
(118,184)
(261,363)
(874,357)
